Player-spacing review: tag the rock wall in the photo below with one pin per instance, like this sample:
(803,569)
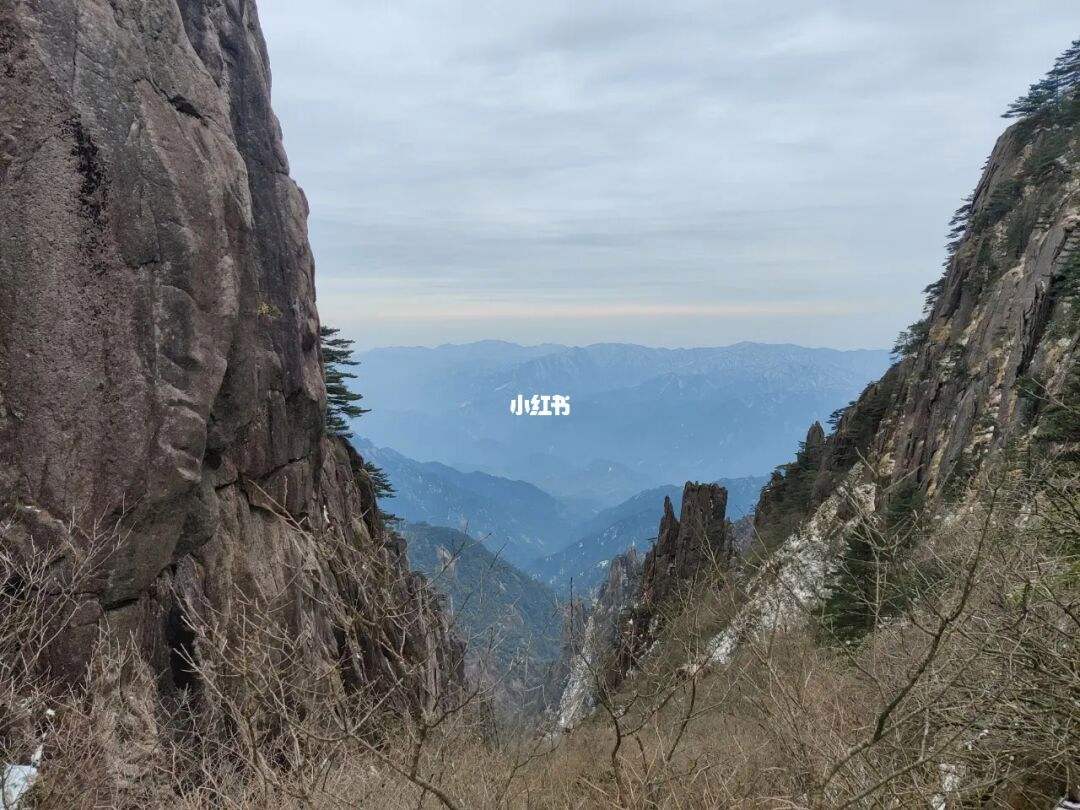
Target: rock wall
(993,368)
(633,604)
(159,355)
(1002,316)
(995,355)
(689,550)
(696,543)
(991,372)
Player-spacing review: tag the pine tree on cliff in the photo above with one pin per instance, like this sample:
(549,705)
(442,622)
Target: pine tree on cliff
(1066,70)
(1038,97)
(1049,94)
(340,401)
(848,610)
(380,481)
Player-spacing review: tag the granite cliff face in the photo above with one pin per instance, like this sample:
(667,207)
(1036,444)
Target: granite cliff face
(638,597)
(994,361)
(689,550)
(592,656)
(159,354)
(992,372)
(693,544)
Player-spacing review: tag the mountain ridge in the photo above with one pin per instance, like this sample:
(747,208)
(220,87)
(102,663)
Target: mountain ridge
(631,524)
(922,538)
(622,397)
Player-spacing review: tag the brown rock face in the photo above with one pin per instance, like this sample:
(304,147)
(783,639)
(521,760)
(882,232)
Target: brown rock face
(632,606)
(689,547)
(1003,324)
(995,364)
(159,353)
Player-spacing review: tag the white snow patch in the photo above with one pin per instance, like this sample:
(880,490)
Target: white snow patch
(950,782)
(19,779)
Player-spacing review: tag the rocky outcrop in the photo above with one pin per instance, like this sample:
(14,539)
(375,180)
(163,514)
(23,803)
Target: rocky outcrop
(592,655)
(795,575)
(696,547)
(993,369)
(689,547)
(1000,338)
(994,362)
(638,598)
(160,378)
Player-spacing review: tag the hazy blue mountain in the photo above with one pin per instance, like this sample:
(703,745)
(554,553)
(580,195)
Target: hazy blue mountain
(599,482)
(641,417)
(513,518)
(631,523)
(492,601)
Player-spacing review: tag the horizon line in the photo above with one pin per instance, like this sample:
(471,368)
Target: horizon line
(502,341)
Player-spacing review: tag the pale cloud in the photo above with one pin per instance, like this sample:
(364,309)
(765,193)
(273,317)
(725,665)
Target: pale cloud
(666,172)
(449,309)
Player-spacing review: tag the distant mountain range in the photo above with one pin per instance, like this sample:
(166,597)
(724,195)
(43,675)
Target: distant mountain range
(583,564)
(640,417)
(495,606)
(555,539)
(514,519)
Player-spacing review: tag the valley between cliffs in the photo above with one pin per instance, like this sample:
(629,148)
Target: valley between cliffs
(202,605)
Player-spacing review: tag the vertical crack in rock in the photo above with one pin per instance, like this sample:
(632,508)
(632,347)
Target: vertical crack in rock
(146,214)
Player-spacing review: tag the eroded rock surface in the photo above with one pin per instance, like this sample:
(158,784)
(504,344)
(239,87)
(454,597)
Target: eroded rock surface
(640,596)
(592,657)
(159,352)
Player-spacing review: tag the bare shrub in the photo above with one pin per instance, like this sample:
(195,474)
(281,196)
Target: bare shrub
(969,696)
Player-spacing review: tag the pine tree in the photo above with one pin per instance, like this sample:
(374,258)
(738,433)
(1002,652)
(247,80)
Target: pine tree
(1053,90)
(379,480)
(340,401)
(1065,73)
(849,612)
(1038,97)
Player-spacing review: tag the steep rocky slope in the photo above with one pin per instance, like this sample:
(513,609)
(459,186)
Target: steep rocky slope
(587,662)
(991,371)
(641,594)
(632,523)
(512,620)
(160,383)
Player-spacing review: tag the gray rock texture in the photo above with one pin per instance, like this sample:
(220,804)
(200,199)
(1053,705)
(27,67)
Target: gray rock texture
(640,596)
(996,355)
(159,352)
(689,547)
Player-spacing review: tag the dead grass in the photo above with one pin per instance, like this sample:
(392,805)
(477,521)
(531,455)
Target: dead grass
(971,699)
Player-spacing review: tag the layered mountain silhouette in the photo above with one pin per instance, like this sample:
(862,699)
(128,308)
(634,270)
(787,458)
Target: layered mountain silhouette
(641,417)
(583,565)
(508,618)
(555,539)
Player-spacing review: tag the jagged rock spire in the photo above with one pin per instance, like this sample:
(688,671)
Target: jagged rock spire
(690,546)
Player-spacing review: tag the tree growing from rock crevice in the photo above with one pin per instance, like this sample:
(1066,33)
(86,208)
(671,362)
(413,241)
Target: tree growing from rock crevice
(341,401)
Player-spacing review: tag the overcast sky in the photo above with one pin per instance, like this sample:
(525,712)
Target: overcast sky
(670,173)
